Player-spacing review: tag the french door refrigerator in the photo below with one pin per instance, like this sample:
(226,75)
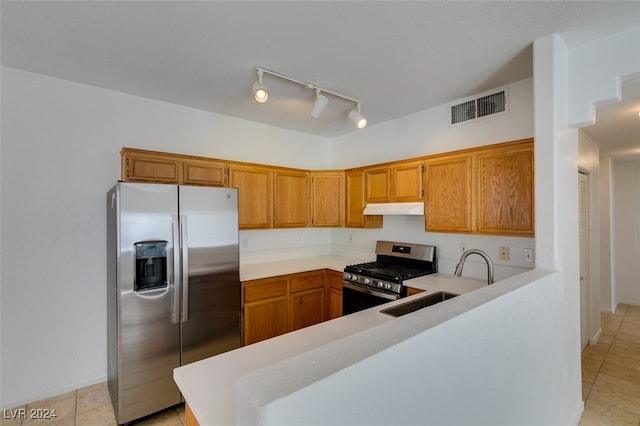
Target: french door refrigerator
(173,288)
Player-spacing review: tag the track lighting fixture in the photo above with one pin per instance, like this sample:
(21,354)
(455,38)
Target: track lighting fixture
(357,117)
(260,93)
(261,96)
(319,105)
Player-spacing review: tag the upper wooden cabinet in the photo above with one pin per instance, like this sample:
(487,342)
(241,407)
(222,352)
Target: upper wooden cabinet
(204,172)
(159,167)
(378,184)
(406,181)
(254,195)
(149,166)
(290,199)
(327,198)
(483,190)
(447,181)
(486,190)
(505,191)
(355,202)
(397,182)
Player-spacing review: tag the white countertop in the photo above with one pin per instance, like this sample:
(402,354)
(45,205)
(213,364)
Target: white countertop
(256,271)
(209,385)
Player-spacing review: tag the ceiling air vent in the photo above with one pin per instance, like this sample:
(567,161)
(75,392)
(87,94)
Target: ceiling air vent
(479,106)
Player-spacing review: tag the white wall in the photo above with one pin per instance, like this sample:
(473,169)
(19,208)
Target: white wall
(60,154)
(589,163)
(626,223)
(595,79)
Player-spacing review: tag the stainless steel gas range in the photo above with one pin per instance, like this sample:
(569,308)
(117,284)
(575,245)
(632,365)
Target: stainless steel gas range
(370,284)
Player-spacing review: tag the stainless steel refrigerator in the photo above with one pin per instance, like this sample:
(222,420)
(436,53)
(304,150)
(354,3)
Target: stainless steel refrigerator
(173,288)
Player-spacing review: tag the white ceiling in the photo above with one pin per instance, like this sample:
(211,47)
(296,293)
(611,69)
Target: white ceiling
(396,57)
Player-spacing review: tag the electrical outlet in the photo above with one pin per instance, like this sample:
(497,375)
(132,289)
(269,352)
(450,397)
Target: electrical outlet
(463,247)
(350,238)
(504,253)
(244,242)
(528,255)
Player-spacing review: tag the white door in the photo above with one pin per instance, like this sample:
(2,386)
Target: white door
(583,185)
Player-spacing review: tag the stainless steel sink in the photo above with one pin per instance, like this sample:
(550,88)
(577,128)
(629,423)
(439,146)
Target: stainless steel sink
(414,305)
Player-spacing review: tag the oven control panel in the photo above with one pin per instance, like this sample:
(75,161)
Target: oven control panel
(373,282)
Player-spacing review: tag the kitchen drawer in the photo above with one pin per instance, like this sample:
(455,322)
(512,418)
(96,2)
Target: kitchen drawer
(307,281)
(264,289)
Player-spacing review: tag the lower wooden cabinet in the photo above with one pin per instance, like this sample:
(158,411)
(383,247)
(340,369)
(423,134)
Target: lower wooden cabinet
(334,281)
(274,306)
(306,299)
(189,418)
(412,290)
(265,309)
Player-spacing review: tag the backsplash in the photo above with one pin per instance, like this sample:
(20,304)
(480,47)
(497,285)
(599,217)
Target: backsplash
(281,244)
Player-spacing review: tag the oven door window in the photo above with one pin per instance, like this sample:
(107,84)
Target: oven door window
(355,299)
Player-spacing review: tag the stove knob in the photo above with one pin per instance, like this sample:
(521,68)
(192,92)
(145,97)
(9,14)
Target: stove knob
(380,284)
(367,281)
(388,286)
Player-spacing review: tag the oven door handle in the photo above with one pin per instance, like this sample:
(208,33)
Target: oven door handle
(372,292)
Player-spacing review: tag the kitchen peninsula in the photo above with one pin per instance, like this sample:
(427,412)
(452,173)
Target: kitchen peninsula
(228,388)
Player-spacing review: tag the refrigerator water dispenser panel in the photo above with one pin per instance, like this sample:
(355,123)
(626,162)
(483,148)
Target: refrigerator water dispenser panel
(151,265)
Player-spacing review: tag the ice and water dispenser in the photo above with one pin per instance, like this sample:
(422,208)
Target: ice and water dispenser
(151,265)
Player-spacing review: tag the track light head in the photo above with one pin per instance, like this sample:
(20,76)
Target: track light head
(261,95)
(319,105)
(357,117)
(260,92)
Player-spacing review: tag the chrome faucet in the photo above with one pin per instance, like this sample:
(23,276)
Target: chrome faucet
(460,265)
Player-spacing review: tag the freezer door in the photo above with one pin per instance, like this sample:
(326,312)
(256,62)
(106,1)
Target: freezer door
(149,330)
(211,281)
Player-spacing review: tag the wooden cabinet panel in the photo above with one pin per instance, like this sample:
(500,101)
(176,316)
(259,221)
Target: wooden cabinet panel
(412,290)
(378,185)
(334,284)
(189,418)
(406,181)
(264,308)
(307,300)
(355,202)
(149,166)
(291,199)
(448,194)
(254,195)
(264,289)
(307,281)
(327,199)
(203,172)
(265,319)
(307,308)
(505,191)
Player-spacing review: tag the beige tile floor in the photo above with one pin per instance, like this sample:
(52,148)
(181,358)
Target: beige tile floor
(611,371)
(88,406)
(610,385)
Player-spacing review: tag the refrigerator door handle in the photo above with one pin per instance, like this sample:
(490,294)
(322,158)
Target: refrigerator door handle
(185,268)
(175,312)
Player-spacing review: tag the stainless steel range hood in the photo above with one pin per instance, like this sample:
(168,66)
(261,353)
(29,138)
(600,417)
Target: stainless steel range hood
(394,209)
